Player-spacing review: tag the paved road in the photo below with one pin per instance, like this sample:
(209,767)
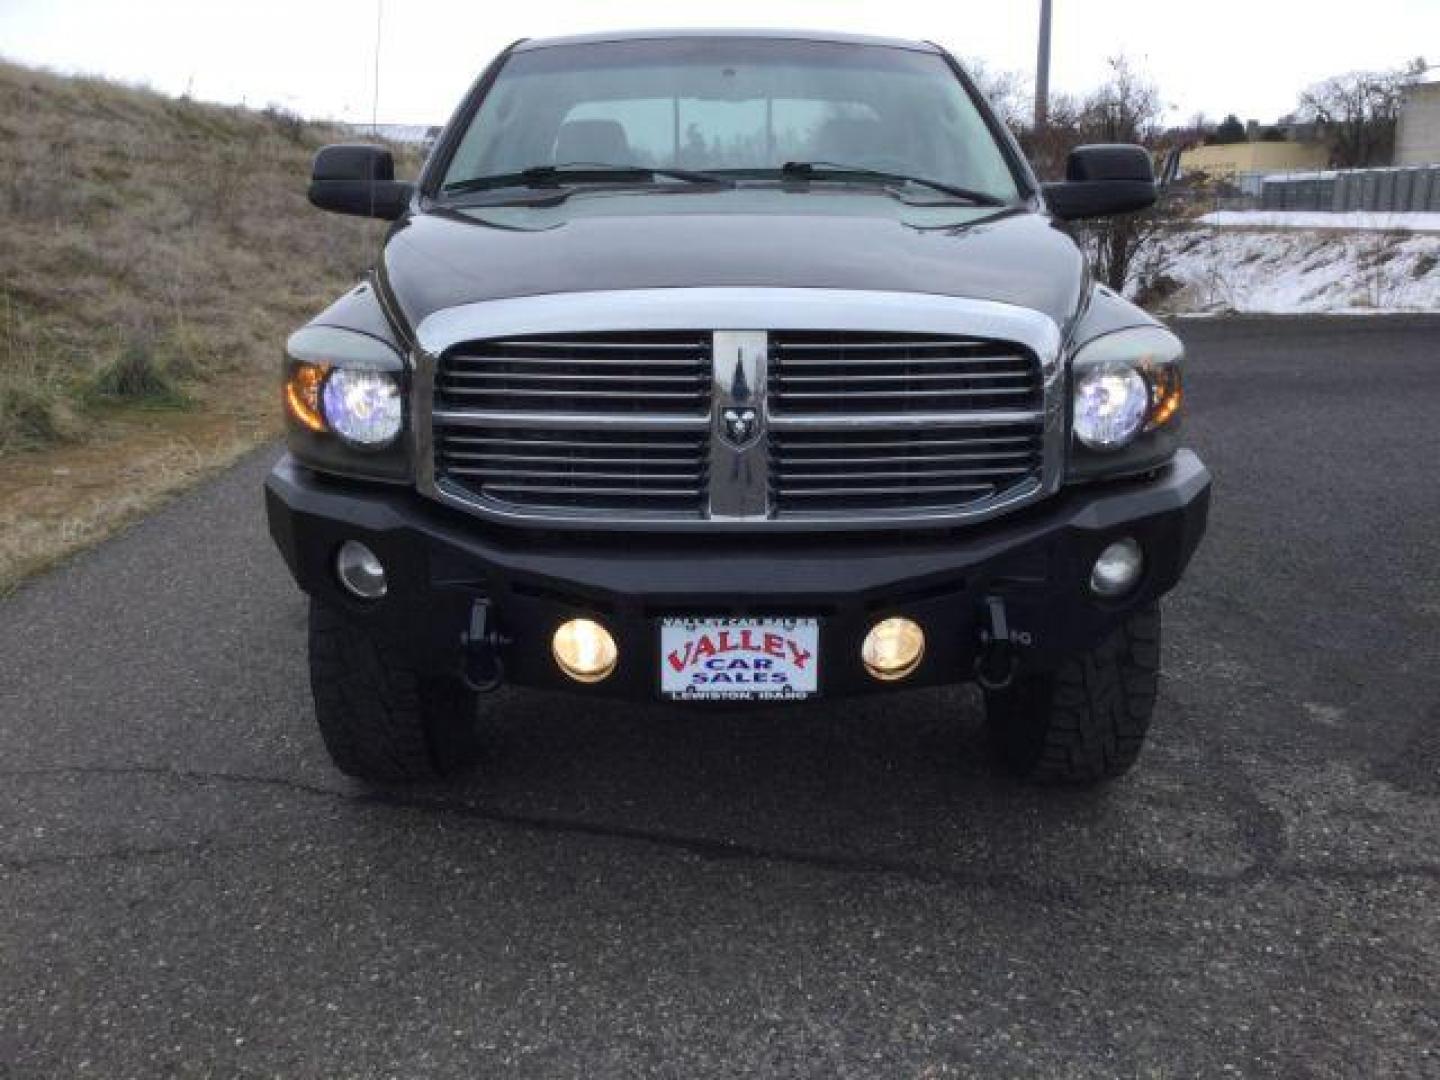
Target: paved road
(186,888)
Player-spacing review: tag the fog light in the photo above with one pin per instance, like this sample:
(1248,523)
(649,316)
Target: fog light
(584,650)
(360,570)
(893,649)
(1117,569)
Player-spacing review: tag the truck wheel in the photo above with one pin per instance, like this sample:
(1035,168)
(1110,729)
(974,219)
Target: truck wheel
(1086,721)
(380,719)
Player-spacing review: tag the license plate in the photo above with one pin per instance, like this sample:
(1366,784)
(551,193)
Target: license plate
(728,659)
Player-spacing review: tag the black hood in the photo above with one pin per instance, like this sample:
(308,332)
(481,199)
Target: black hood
(445,258)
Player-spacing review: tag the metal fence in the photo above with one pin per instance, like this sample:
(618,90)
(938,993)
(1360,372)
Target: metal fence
(1386,191)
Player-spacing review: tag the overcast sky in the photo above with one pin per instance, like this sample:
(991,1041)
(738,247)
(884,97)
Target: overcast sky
(316,57)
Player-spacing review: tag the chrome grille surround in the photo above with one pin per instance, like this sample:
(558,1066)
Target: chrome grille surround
(794,439)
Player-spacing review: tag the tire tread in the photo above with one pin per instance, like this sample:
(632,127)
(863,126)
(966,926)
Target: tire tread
(1087,721)
(378,718)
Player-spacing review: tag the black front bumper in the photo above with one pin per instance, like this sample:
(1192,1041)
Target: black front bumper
(440,562)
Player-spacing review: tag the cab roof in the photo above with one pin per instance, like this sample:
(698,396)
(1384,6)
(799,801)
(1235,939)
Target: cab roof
(775,35)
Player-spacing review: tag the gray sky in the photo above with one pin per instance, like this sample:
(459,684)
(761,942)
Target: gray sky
(1251,57)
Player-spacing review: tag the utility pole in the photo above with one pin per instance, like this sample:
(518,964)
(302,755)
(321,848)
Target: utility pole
(1042,70)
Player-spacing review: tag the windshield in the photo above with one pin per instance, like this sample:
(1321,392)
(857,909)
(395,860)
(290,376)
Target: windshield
(733,104)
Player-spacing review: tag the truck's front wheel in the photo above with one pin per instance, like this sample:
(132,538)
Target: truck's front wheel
(1086,721)
(381,720)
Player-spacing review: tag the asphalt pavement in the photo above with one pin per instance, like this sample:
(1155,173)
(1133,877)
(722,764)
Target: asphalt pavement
(188,889)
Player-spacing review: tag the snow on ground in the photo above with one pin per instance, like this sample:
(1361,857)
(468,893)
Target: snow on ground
(1217,271)
(1304,219)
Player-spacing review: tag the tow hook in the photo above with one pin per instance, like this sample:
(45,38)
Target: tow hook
(998,659)
(481,668)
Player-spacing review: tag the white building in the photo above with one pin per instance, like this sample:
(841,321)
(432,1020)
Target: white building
(1417,137)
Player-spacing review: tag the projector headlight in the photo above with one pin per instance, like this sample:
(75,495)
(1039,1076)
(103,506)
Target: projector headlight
(1126,402)
(362,407)
(345,398)
(1111,402)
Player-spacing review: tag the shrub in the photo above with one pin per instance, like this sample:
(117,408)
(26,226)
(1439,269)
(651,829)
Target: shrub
(136,375)
(32,415)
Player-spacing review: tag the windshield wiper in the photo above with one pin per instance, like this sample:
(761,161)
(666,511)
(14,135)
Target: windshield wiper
(829,170)
(582,172)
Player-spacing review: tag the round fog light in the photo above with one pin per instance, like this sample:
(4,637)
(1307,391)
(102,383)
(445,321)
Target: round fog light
(584,650)
(893,649)
(360,570)
(1117,569)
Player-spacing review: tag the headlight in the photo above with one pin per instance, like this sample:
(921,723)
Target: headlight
(345,397)
(1111,403)
(1126,402)
(362,407)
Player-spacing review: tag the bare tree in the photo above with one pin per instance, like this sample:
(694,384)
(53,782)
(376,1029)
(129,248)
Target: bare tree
(1048,148)
(1007,91)
(1358,112)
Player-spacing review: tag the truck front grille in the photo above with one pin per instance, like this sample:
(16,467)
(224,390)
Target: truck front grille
(858,394)
(578,469)
(596,374)
(919,469)
(851,426)
(577,422)
(858,373)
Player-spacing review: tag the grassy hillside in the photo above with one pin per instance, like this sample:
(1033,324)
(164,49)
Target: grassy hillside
(150,244)
(154,254)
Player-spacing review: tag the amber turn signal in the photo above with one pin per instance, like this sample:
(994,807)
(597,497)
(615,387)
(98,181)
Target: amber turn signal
(1166,394)
(302,394)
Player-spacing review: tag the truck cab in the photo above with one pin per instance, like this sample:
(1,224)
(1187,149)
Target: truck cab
(732,368)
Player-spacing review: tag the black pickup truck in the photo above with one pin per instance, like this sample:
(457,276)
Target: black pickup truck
(733,367)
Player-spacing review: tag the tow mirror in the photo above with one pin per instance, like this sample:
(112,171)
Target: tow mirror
(355,178)
(1103,180)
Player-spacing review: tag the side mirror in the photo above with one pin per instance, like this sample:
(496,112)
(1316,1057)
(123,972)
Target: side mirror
(354,178)
(1103,180)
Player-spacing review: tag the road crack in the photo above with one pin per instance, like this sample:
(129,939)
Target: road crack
(1263,838)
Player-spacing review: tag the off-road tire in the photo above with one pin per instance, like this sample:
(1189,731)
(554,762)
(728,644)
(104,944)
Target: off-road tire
(381,720)
(1086,721)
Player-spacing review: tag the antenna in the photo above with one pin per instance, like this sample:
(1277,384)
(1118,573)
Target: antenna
(375,100)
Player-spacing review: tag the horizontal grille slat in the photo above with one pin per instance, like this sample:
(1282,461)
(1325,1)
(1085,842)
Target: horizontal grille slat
(591,490)
(799,457)
(590,423)
(867,441)
(502,459)
(502,476)
(481,378)
(609,396)
(918,475)
(829,342)
(979,377)
(894,490)
(917,360)
(902,395)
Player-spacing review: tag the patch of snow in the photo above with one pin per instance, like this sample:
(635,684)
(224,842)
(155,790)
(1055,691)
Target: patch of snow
(1221,271)
(1356,220)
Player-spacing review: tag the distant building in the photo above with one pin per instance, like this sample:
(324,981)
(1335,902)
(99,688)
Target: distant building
(418,134)
(1236,160)
(1417,136)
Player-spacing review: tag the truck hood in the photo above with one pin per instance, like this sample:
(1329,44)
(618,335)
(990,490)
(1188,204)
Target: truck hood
(444,258)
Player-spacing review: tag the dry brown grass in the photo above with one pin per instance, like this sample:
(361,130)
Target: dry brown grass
(154,250)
